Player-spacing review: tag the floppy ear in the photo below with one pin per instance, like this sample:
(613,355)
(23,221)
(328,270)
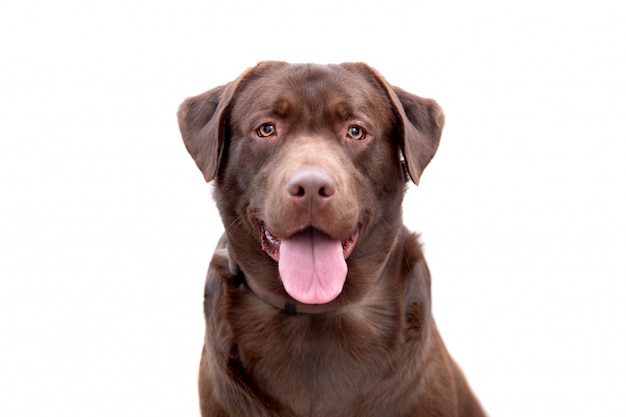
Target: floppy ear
(421,122)
(202,121)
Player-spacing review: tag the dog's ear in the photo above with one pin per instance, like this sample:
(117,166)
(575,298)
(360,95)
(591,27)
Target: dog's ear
(419,121)
(420,131)
(201,120)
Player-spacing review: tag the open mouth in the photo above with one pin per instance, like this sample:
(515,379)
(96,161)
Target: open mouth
(271,244)
(312,265)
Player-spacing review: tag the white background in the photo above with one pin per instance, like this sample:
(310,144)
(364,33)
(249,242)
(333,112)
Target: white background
(107,227)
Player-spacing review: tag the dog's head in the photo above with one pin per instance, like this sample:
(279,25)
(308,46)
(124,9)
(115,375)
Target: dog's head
(310,164)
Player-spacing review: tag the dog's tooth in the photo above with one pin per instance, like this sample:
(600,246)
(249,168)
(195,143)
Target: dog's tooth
(271,238)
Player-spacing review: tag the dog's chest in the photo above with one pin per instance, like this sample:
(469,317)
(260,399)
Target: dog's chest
(318,365)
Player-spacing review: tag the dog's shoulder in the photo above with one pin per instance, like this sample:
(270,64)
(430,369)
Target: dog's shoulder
(413,270)
(415,283)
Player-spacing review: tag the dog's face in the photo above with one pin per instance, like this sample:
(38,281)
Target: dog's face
(308,170)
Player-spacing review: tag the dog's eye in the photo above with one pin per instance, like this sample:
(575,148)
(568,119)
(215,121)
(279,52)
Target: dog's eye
(266,130)
(356,133)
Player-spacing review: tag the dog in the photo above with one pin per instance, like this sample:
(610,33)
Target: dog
(317,299)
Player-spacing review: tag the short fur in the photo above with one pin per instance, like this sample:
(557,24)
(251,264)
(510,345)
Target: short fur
(374,350)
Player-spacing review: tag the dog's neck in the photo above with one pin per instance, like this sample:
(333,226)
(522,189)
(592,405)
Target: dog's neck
(287,305)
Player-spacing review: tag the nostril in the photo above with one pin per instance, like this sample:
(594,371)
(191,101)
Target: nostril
(327,191)
(295,189)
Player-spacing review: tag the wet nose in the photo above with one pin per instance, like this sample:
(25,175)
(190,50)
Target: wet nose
(311,187)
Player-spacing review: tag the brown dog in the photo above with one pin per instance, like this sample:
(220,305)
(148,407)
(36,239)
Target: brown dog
(317,298)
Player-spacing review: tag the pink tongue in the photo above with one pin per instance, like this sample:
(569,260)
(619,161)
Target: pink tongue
(312,267)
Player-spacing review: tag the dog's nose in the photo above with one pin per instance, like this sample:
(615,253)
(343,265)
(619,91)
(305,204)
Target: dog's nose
(311,187)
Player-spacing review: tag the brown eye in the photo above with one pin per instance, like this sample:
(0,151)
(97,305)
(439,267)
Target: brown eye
(356,133)
(266,130)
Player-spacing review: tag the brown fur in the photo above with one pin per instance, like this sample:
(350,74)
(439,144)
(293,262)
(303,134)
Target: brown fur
(372,351)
